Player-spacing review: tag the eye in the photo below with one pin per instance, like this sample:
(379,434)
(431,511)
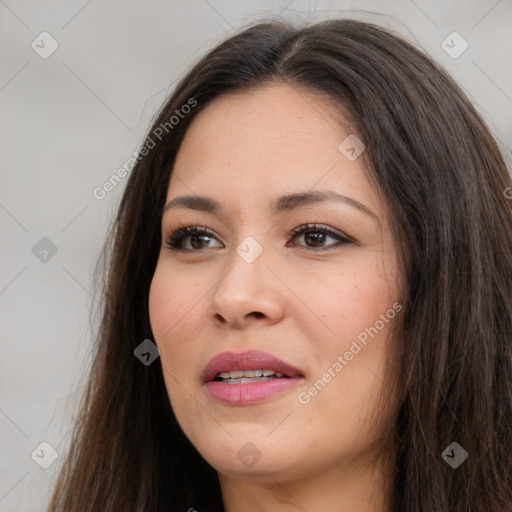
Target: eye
(199,237)
(317,235)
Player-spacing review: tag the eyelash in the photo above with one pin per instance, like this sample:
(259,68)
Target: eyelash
(175,238)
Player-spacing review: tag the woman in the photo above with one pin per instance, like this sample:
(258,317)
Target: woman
(316,237)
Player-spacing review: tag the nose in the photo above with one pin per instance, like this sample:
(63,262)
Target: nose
(246,293)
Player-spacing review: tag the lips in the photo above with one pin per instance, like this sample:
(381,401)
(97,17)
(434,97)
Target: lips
(247,360)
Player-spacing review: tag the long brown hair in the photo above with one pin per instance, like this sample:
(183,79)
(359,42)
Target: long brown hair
(443,178)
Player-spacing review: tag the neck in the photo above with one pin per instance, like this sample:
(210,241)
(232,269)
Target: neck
(342,489)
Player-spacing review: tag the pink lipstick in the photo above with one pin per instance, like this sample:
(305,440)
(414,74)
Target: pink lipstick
(248,377)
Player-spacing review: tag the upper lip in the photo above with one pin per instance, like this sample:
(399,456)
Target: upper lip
(247,360)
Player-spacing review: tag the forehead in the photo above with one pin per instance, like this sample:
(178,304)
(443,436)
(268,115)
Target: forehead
(276,117)
(266,142)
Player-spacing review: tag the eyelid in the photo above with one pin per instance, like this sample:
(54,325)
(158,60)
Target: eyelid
(183,231)
(321,227)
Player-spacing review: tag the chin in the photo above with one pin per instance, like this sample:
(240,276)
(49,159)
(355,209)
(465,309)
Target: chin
(247,454)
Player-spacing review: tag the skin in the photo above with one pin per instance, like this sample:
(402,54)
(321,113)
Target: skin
(296,301)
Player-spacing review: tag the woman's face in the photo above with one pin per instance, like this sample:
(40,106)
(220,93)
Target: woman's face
(321,300)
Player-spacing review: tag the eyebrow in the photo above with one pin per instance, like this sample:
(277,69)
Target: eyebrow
(281,204)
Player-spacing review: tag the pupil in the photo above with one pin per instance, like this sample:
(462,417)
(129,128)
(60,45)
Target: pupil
(195,238)
(315,237)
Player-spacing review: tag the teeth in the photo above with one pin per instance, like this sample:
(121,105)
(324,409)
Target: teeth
(237,374)
(244,380)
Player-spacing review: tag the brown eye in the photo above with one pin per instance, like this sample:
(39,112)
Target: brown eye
(316,237)
(195,238)
(198,238)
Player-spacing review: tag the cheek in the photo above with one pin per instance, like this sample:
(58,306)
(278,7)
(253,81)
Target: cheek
(160,295)
(170,302)
(175,307)
(348,301)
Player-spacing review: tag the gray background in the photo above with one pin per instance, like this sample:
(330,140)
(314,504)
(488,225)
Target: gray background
(71,120)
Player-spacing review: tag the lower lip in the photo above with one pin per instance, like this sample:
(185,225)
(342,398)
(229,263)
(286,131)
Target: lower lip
(250,393)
